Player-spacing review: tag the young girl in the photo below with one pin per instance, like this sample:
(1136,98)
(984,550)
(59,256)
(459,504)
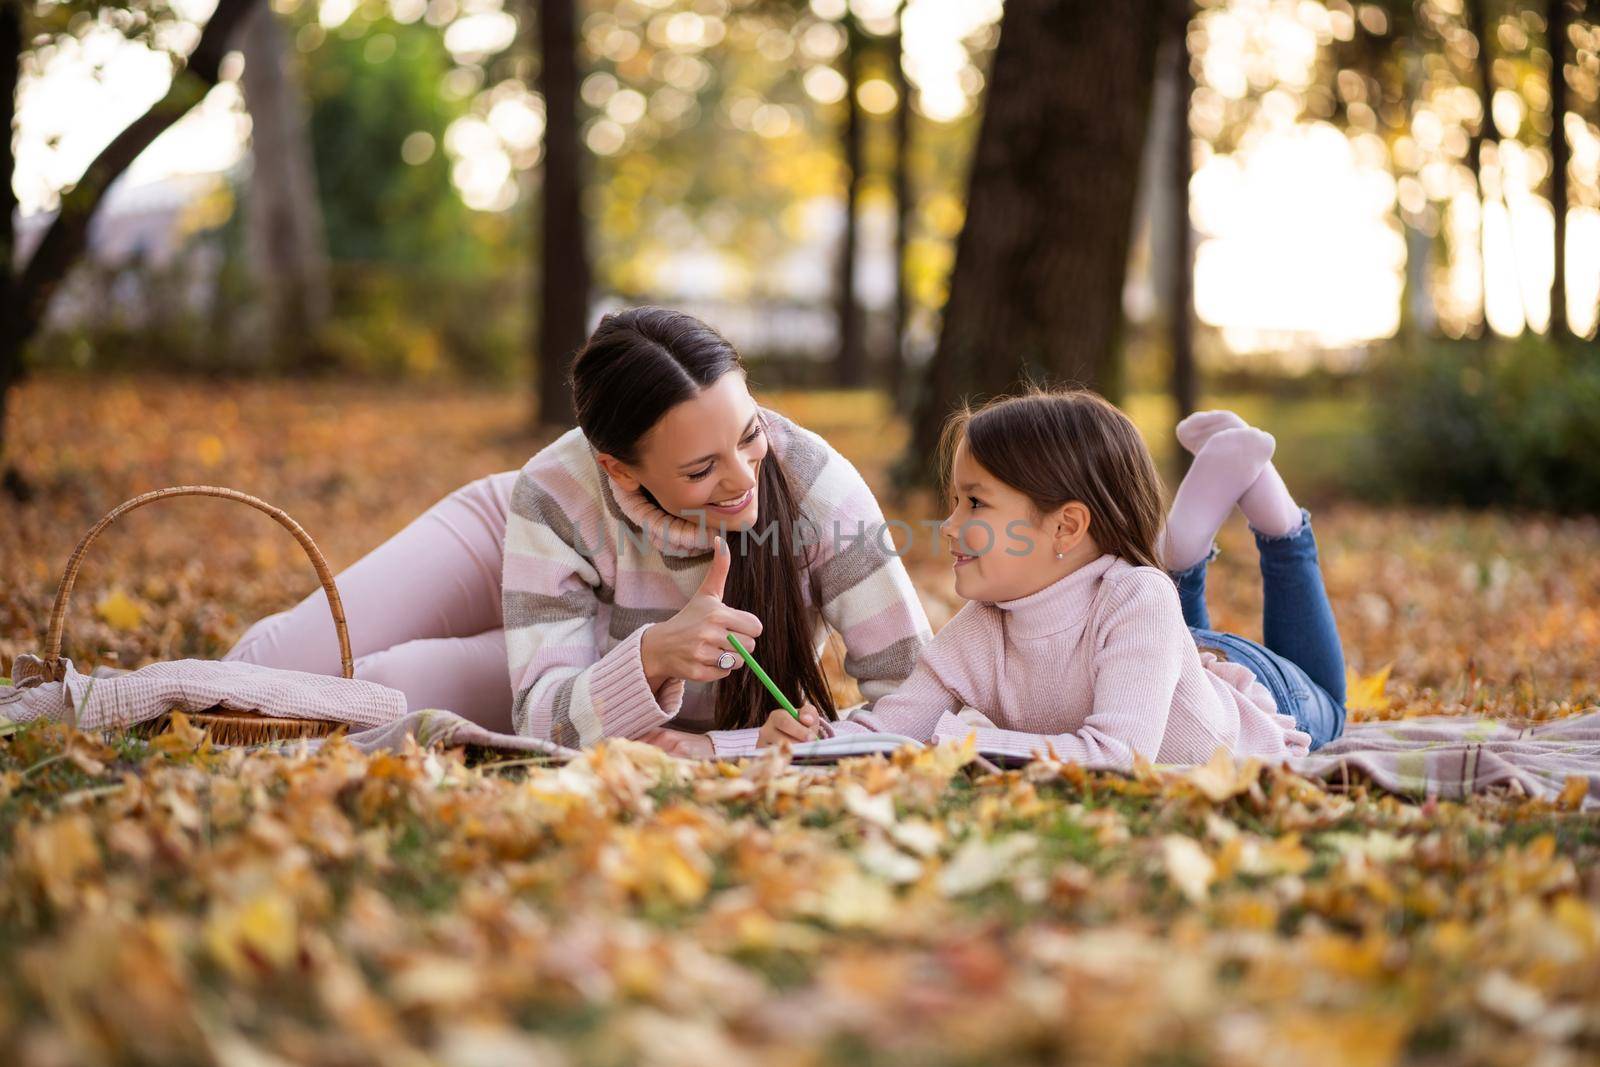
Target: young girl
(1086,632)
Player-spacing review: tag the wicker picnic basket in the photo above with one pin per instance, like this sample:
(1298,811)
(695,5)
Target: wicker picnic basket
(225,727)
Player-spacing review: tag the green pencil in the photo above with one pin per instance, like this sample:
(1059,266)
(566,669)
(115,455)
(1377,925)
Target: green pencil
(750,662)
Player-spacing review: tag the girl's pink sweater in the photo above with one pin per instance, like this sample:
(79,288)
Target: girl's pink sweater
(1095,667)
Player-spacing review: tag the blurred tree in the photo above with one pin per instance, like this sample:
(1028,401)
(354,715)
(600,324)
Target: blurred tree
(1419,316)
(425,256)
(562,320)
(1479,22)
(1558,23)
(850,366)
(1180,265)
(903,204)
(287,249)
(715,135)
(26,290)
(378,119)
(1041,260)
(1377,76)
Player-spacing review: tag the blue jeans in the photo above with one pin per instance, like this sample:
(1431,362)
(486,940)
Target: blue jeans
(1301,663)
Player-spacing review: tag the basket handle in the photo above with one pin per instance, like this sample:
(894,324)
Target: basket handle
(55,672)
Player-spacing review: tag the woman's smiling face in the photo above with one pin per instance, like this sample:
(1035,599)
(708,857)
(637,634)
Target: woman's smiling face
(702,458)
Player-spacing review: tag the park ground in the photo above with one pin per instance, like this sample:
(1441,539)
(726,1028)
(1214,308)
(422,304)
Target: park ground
(173,903)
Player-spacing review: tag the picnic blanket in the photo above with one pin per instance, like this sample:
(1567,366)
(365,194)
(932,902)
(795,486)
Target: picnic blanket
(1450,757)
(1437,756)
(109,699)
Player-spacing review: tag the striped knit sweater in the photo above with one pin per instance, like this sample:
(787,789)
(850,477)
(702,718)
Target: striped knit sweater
(1096,666)
(589,566)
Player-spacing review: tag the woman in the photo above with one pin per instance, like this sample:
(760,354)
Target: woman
(594,573)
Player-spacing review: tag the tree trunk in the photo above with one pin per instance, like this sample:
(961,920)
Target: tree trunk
(11,343)
(1478,23)
(1180,282)
(288,251)
(850,369)
(1558,17)
(902,214)
(562,299)
(1040,264)
(12,481)
(1419,317)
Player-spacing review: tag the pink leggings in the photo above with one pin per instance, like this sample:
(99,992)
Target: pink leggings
(423,610)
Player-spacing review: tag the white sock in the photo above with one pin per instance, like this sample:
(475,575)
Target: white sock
(1194,431)
(1267,505)
(1225,467)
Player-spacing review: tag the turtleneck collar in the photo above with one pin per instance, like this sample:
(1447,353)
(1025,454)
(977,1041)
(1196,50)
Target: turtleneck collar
(672,535)
(1060,605)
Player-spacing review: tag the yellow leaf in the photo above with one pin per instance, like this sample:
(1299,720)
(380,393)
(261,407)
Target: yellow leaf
(58,854)
(1573,792)
(1285,855)
(265,555)
(946,759)
(1188,866)
(1327,1038)
(662,864)
(208,450)
(686,880)
(436,980)
(876,808)
(1220,778)
(1143,770)
(180,737)
(1450,938)
(979,863)
(1250,911)
(851,900)
(1577,919)
(120,611)
(261,930)
(1360,958)
(1366,694)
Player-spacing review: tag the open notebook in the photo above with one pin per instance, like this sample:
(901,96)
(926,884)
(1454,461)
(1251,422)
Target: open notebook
(828,749)
(832,749)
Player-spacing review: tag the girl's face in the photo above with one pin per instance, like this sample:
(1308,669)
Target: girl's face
(1001,547)
(700,461)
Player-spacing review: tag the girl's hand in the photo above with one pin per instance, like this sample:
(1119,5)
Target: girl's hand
(689,644)
(783,728)
(680,743)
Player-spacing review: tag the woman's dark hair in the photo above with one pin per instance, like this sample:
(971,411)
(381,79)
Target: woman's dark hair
(638,365)
(1057,446)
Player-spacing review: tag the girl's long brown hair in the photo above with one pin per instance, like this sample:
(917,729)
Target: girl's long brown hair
(1057,446)
(636,366)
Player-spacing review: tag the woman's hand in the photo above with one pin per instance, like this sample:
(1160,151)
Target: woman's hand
(783,728)
(689,644)
(680,743)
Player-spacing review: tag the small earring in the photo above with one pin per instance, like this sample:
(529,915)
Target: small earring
(1061,555)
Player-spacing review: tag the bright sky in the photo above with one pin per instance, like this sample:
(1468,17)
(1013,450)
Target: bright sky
(1299,241)
(65,117)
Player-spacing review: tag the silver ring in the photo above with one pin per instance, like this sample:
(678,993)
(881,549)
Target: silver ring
(726,661)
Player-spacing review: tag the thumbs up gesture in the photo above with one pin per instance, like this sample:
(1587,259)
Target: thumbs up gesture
(690,645)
